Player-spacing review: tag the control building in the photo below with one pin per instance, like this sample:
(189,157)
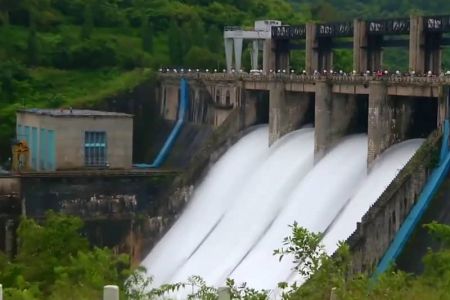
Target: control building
(68,139)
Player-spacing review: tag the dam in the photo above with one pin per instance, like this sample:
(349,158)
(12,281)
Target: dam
(343,154)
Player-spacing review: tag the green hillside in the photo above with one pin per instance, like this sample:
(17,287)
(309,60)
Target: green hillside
(62,52)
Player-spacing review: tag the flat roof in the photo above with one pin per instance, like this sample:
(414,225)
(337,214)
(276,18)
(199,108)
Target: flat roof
(73,113)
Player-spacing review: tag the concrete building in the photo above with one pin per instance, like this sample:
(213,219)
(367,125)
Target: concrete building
(261,40)
(61,139)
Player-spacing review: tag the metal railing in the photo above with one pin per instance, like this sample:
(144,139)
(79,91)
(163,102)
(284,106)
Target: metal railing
(357,79)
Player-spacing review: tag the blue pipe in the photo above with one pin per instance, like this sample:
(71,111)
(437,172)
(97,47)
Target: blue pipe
(170,141)
(406,229)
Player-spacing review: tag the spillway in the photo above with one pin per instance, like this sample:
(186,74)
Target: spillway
(241,211)
(209,202)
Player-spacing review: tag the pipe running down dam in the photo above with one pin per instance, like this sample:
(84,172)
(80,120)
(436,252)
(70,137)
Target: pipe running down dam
(322,158)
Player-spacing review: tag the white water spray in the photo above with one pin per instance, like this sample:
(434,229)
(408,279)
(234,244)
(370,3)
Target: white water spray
(313,204)
(256,204)
(208,204)
(240,213)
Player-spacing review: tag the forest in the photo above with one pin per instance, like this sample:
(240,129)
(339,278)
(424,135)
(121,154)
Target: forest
(56,53)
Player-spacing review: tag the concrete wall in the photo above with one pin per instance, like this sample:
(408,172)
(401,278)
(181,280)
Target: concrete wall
(69,132)
(114,208)
(381,222)
(393,119)
(9,185)
(209,103)
(288,111)
(336,115)
(170,100)
(10,211)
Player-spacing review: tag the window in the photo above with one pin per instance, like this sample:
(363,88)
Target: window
(95,148)
(227,98)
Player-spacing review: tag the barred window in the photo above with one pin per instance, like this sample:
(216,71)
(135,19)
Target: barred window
(95,148)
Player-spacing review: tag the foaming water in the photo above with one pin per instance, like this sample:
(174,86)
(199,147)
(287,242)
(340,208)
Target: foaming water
(241,211)
(382,173)
(256,204)
(207,205)
(313,204)
(385,169)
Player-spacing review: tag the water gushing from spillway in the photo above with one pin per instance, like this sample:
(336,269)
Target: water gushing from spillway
(241,211)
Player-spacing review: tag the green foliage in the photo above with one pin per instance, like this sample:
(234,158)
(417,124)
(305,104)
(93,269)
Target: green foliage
(333,272)
(244,292)
(305,247)
(202,57)
(93,54)
(88,21)
(55,262)
(175,43)
(147,35)
(33,45)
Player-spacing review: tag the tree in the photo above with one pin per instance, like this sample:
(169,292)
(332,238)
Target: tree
(147,34)
(197,56)
(32,43)
(175,44)
(196,33)
(88,21)
(6,6)
(306,248)
(214,39)
(54,261)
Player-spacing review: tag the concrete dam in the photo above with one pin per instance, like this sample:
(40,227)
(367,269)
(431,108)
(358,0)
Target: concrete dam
(355,157)
(241,212)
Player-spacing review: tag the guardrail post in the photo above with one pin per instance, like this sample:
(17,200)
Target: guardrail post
(110,292)
(333,294)
(224,293)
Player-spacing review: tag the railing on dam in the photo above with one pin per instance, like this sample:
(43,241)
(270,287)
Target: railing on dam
(345,79)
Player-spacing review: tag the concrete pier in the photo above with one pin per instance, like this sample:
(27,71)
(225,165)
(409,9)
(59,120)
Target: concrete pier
(389,119)
(288,111)
(336,115)
(416,45)
(311,56)
(360,46)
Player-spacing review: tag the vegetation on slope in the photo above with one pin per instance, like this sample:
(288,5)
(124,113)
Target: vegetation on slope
(113,37)
(55,261)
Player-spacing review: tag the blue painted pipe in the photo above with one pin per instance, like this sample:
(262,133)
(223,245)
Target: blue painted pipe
(170,141)
(406,229)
